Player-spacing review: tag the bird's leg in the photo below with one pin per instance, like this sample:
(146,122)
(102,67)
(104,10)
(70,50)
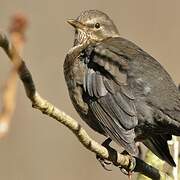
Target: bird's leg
(104,163)
(113,157)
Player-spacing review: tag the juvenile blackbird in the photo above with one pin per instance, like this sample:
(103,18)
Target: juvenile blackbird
(118,89)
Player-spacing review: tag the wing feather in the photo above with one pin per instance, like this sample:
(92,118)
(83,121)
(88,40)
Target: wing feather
(110,100)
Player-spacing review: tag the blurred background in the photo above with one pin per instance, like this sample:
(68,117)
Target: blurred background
(39,148)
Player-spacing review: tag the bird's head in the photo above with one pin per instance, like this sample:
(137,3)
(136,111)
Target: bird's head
(93,25)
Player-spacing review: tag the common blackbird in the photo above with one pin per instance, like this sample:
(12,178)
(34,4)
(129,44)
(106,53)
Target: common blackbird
(118,89)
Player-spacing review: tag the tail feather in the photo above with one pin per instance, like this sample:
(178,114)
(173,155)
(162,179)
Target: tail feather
(158,145)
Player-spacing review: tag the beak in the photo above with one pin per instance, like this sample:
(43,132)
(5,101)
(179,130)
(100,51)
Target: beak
(76,24)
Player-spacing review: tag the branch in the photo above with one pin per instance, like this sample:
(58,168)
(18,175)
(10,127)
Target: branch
(154,161)
(125,161)
(17,30)
(174,143)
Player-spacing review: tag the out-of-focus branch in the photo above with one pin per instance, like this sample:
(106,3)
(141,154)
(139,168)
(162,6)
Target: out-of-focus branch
(154,161)
(17,34)
(174,144)
(176,157)
(125,161)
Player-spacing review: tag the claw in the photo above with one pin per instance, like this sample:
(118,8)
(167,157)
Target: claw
(104,164)
(124,171)
(128,173)
(107,163)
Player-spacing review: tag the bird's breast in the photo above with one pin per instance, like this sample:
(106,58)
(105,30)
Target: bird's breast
(74,75)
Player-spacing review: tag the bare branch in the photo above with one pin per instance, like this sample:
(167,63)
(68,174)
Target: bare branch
(125,161)
(17,30)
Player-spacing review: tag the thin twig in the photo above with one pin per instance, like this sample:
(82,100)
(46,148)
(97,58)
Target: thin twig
(125,161)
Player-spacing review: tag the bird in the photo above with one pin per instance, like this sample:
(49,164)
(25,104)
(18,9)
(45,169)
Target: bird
(120,90)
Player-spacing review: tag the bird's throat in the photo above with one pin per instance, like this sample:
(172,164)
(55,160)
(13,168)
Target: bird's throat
(80,37)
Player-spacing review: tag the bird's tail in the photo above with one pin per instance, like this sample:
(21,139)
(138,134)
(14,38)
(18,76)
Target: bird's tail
(158,145)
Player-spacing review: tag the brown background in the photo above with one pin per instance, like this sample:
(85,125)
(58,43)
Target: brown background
(39,148)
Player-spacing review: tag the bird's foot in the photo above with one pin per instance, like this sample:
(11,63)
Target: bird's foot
(113,156)
(123,170)
(105,163)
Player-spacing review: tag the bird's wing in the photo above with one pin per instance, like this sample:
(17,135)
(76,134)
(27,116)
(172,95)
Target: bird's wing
(109,97)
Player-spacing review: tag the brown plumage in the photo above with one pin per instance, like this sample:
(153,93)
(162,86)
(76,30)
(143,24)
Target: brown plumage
(118,89)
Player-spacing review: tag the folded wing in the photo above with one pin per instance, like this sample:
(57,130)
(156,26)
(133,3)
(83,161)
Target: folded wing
(109,97)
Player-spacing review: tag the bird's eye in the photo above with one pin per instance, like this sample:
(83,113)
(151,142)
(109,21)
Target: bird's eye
(97,25)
